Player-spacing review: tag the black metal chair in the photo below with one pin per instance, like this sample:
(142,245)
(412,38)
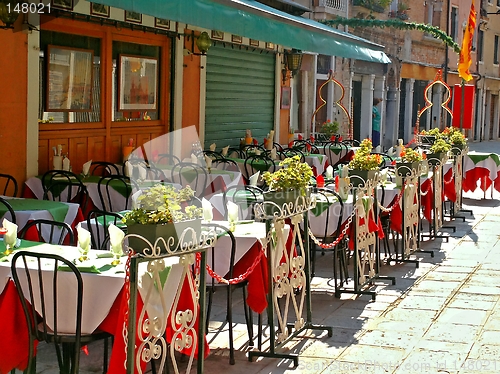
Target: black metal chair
(107,187)
(214,155)
(98,222)
(245,197)
(9,208)
(64,186)
(104,168)
(57,231)
(194,175)
(225,164)
(167,159)
(42,321)
(327,237)
(227,252)
(8,185)
(257,162)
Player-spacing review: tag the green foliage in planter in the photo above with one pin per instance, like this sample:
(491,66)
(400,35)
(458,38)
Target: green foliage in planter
(363,159)
(329,128)
(293,174)
(163,204)
(440,146)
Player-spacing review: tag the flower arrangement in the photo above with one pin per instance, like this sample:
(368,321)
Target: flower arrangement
(163,204)
(439,146)
(293,174)
(410,155)
(329,128)
(432,132)
(363,158)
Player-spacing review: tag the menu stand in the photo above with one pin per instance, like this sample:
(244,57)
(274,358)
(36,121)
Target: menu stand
(152,341)
(289,276)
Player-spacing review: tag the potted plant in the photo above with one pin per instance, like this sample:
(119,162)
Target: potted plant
(289,182)
(364,165)
(409,161)
(162,211)
(329,128)
(437,152)
(456,139)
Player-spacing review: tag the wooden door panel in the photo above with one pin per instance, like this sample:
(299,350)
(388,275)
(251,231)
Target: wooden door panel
(78,153)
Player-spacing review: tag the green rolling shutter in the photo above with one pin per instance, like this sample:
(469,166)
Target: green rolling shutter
(240,95)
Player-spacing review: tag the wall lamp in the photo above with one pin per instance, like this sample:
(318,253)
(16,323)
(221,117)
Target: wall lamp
(292,62)
(7,14)
(203,42)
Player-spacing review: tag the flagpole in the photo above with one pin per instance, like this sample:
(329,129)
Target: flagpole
(462,106)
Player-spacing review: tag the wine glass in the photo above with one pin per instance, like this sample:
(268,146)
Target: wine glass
(117,251)
(10,241)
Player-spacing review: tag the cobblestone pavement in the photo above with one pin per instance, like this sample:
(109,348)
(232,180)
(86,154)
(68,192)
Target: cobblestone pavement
(441,317)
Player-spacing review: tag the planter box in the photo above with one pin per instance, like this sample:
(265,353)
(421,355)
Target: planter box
(282,197)
(456,149)
(165,231)
(358,178)
(436,158)
(404,169)
(426,139)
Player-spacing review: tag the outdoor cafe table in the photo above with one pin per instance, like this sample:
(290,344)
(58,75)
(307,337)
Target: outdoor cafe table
(27,210)
(104,302)
(483,168)
(250,237)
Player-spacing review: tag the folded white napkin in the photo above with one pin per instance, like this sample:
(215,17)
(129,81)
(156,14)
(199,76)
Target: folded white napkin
(254,179)
(225,150)
(115,238)
(208,161)
(86,167)
(10,237)
(329,172)
(194,159)
(257,152)
(273,154)
(207,210)
(232,212)
(143,173)
(83,238)
(212,147)
(128,169)
(66,164)
(134,198)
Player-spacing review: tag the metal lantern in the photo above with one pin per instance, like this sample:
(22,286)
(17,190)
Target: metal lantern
(7,14)
(203,42)
(294,61)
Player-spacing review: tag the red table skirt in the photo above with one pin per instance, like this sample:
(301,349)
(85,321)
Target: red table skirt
(482,175)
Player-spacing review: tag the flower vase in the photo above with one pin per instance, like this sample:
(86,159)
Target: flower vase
(358,178)
(170,232)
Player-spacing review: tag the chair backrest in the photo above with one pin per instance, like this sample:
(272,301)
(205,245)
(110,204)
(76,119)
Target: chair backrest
(245,197)
(98,222)
(225,251)
(235,153)
(249,149)
(61,185)
(188,173)
(138,169)
(8,185)
(256,163)
(48,231)
(8,208)
(115,192)
(327,194)
(38,282)
(290,152)
(104,168)
(167,159)
(225,164)
(214,155)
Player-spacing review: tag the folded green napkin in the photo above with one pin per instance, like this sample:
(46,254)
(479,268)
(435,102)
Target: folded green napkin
(81,267)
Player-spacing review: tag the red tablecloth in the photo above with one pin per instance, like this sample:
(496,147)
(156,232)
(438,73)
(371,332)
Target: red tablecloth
(258,283)
(471,177)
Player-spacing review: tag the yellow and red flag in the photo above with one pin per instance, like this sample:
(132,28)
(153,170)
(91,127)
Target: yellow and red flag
(465,57)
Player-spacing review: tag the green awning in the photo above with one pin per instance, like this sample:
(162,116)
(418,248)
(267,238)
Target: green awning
(255,20)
